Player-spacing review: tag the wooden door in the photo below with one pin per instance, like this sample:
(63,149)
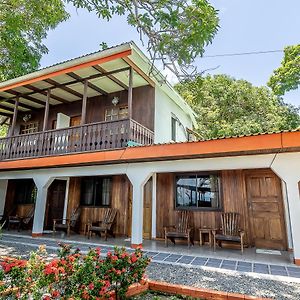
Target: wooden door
(55,202)
(129,219)
(147,211)
(266,216)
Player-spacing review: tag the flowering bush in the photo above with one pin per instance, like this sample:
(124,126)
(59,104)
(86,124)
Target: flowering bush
(72,275)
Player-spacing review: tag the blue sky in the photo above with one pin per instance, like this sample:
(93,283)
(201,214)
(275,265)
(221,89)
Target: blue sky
(245,26)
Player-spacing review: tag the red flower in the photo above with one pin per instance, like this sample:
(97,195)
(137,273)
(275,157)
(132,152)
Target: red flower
(55,294)
(133,258)
(91,286)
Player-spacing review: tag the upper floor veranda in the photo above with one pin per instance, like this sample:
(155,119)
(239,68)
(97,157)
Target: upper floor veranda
(101,101)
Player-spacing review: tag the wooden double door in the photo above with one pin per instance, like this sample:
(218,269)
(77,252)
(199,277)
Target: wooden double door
(265,210)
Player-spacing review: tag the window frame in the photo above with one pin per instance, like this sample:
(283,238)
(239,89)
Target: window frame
(220,200)
(173,128)
(120,112)
(28,188)
(29,127)
(94,191)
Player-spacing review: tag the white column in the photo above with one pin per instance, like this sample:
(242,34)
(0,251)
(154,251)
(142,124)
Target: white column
(154,180)
(138,179)
(66,200)
(287,167)
(42,183)
(3,189)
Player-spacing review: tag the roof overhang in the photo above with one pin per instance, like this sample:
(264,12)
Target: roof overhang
(227,147)
(107,72)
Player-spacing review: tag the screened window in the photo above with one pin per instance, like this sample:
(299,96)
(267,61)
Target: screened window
(29,128)
(96,191)
(173,129)
(26,191)
(198,191)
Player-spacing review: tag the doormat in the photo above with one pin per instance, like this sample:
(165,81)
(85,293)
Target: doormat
(268,251)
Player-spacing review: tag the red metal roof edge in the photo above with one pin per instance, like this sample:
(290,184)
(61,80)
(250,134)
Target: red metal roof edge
(255,144)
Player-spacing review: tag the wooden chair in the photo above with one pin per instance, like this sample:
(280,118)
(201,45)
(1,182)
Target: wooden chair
(67,224)
(181,230)
(230,230)
(104,225)
(21,221)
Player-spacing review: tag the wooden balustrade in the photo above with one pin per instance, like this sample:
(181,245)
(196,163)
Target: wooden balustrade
(86,138)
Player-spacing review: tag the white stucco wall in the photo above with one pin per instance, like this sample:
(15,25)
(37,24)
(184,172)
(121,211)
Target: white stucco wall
(164,108)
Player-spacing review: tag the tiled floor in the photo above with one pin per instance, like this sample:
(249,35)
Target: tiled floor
(196,256)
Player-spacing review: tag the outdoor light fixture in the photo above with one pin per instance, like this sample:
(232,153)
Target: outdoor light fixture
(27,117)
(115,101)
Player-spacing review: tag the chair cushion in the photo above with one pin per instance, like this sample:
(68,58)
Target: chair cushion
(228,238)
(64,226)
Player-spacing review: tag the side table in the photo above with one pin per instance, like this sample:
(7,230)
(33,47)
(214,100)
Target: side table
(205,230)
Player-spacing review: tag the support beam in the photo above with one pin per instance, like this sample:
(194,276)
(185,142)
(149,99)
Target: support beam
(84,103)
(5,114)
(139,71)
(111,77)
(46,114)
(90,85)
(23,105)
(14,119)
(32,99)
(40,91)
(130,93)
(9,109)
(64,88)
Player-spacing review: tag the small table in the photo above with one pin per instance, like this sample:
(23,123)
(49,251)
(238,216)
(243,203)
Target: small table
(205,230)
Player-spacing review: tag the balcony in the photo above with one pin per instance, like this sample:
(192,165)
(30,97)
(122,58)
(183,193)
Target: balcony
(87,138)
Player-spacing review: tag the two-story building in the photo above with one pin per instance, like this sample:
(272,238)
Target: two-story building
(101,131)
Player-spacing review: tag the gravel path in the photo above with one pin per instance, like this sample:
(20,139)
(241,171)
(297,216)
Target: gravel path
(224,281)
(197,277)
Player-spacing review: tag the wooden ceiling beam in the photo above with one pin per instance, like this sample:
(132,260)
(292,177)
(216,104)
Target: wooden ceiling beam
(68,83)
(5,114)
(90,85)
(139,71)
(44,92)
(10,109)
(111,77)
(32,99)
(4,121)
(64,88)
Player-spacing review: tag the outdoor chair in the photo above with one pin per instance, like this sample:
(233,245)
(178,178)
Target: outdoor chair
(105,225)
(69,223)
(181,230)
(230,230)
(20,221)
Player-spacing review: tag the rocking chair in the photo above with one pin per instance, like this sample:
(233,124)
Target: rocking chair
(67,224)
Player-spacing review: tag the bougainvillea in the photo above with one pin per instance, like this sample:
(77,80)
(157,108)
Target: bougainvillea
(72,275)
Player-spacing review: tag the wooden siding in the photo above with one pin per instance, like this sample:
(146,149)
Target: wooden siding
(233,197)
(142,103)
(120,190)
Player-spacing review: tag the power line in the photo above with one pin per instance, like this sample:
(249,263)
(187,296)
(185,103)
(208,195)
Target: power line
(242,53)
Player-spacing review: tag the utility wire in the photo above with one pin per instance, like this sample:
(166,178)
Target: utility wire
(243,53)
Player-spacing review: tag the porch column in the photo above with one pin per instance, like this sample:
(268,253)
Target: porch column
(42,184)
(138,180)
(46,114)
(84,103)
(130,93)
(14,119)
(287,167)
(3,190)
(154,182)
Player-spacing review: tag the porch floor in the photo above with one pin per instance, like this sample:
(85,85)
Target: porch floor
(279,264)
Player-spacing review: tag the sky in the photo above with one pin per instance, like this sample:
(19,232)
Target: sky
(245,26)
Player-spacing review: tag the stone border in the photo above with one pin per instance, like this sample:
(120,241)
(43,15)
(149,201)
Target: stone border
(184,290)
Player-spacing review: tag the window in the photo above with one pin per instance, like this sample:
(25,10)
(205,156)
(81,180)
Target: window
(173,129)
(116,113)
(29,128)
(26,191)
(198,191)
(96,191)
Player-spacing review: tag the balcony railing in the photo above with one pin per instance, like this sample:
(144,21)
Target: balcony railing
(86,138)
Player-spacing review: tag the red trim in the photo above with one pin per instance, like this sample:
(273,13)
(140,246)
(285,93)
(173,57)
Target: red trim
(297,261)
(259,144)
(69,69)
(135,246)
(36,234)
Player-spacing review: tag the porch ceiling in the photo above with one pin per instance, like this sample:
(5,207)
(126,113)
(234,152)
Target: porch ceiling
(103,78)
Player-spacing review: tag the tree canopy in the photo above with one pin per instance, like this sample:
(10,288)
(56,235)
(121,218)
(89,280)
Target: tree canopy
(23,26)
(228,107)
(287,76)
(176,31)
